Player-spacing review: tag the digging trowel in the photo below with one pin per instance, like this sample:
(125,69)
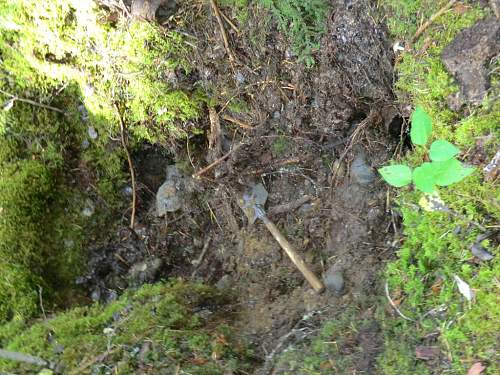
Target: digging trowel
(252,204)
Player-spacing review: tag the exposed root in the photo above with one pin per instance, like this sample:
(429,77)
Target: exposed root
(130,165)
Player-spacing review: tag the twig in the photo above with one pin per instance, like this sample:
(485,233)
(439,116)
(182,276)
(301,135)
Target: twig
(291,206)
(98,358)
(198,261)
(215,163)
(429,22)
(21,357)
(130,166)
(214,139)
(29,101)
(394,305)
(41,302)
(226,18)
(222,30)
(124,7)
(241,124)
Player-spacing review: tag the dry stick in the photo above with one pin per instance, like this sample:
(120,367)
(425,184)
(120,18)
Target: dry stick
(429,22)
(40,299)
(393,304)
(287,207)
(21,357)
(222,30)
(241,124)
(130,166)
(215,163)
(226,18)
(28,101)
(198,261)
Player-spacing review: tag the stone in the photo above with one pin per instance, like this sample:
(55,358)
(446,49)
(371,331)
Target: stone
(480,252)
(172,193)
(145,271)
(334,280)
(92,132)
(361,171)
(468,55)
(89,208)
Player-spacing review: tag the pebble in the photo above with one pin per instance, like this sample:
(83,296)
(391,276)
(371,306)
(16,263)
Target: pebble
(240,78)
(92,132)
(334,280)
(361,171)
(480,252)
(169,196)
(89,208)
(145,271)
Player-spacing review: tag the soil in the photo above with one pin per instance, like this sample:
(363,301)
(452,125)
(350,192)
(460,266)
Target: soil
(319,132)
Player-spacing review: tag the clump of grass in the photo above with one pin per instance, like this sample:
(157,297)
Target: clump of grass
(304,22)
(165,317)
(437,244)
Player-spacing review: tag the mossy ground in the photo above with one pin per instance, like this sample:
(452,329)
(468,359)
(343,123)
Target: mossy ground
(70,54)
(437,244)
(166,318)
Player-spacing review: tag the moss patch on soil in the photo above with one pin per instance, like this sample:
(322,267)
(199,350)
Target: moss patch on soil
(67,69)
(437,245)
(161,328)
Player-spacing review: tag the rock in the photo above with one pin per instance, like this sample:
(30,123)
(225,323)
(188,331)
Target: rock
(89,208)
(84,114)
(145,271)
(495,5)
(171,195)
(225,283)
(85,144)
(92,132)
(361,171)
(152,9)
(334,280)
(240,78)
(492,170)
(480,252)
(467,57)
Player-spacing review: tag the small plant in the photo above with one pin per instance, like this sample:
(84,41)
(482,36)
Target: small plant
(443,170)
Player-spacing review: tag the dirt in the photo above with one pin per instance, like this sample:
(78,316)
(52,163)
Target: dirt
(320,132)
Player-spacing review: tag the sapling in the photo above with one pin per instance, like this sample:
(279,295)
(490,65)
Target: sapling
(443,169)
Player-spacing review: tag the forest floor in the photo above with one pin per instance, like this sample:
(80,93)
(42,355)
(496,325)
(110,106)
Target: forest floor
(314,137)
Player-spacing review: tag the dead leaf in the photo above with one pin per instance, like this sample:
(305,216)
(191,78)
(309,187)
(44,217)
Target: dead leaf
(464,288)
(436,287)
(476,369)
(427,352)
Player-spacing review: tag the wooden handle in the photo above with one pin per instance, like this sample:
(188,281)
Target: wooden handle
(316,283)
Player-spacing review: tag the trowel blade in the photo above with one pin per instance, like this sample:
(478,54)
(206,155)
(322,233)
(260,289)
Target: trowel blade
(255,196)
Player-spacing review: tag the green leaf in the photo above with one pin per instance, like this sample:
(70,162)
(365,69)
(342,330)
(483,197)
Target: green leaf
(450,171)
(424,178)
(421,126)
(442,150)
(396,175)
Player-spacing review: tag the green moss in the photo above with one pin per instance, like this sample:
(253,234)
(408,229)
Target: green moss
(304,22)
(437,244)
(163,316)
